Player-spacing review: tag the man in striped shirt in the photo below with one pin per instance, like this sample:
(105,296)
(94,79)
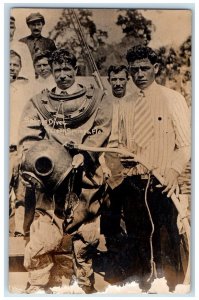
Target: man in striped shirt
(155,126)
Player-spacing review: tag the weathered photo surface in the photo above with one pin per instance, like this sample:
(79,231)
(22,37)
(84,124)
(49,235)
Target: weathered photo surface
(100,151)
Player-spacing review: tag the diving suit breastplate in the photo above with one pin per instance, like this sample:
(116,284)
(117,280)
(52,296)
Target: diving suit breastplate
(68,111)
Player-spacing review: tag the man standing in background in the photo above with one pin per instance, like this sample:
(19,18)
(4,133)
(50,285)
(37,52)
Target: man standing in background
(44,78)
(27,69)
(19,88)
(36,42)
(118,78)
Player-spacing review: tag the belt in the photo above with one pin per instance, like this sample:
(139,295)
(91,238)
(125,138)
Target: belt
(144,176)
(141,176)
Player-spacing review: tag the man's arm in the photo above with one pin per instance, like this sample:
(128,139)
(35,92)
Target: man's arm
(182,152)
(101,128)
(30,129)
(182,128)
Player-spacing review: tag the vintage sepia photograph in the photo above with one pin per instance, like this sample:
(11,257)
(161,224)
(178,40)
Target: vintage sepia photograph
(100,151)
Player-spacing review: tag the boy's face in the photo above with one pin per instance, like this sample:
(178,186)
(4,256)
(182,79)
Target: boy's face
(42,67)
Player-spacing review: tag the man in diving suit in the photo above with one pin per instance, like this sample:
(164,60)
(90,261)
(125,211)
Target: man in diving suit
(69,112)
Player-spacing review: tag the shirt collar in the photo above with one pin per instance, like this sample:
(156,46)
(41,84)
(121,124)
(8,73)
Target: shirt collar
(127,94)
(71,90)
(150,90)
(35,38)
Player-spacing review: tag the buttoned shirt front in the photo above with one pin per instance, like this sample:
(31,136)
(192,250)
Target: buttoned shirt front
(113,139)
(71,90)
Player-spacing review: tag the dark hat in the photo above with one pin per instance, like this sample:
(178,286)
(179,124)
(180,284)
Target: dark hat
(35,17)
(12,20)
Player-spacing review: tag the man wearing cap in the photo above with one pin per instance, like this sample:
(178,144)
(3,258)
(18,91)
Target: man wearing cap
(36,41)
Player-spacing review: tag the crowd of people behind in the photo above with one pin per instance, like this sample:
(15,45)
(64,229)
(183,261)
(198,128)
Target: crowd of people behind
(97,193)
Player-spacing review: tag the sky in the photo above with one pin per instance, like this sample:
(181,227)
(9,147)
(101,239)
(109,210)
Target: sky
(172,27)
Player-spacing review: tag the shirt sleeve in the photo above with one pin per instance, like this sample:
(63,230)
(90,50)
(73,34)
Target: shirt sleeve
(182,129)
(101,128)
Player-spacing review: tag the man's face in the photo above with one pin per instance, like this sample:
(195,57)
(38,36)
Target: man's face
(42,68)
(15,67)
(36,28)
(12,31)
(64,75)
(143,72)
(118,83)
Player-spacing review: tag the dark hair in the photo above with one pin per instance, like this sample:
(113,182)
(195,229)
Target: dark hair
(61,56)
(41,54)
(13,54)
(12,19)
(116,69)
(140,52)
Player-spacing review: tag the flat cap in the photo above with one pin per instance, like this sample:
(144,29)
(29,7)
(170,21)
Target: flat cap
(35,17)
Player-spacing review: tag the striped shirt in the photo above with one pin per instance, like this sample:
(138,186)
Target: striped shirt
(116,102)
(170,145)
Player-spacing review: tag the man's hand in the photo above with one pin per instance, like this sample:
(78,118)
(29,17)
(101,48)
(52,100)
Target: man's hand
(106,172)
(171,182)
(78,160)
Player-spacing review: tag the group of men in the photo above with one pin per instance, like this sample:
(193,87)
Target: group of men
(148,120)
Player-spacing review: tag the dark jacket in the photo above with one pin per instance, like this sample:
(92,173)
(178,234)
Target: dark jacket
(41,43)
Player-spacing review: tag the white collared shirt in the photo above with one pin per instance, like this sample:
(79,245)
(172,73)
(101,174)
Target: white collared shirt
(113,139)
(71,90)
(170,146)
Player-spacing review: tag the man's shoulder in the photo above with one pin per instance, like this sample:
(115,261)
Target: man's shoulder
(22,80)
(168,92)
(41,97)
(48,40)
(25,39)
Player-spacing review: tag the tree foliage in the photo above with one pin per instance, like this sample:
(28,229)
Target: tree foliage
(134,24)
(136,30)
(66,35)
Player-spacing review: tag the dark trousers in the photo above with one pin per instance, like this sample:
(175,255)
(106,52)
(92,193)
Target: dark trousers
(139,227)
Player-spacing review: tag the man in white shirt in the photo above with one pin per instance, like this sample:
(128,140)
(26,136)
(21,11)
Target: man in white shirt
(155,126)
(18,98)
(27,69)
(118,78)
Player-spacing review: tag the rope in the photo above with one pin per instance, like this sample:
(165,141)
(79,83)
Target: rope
(153,266)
